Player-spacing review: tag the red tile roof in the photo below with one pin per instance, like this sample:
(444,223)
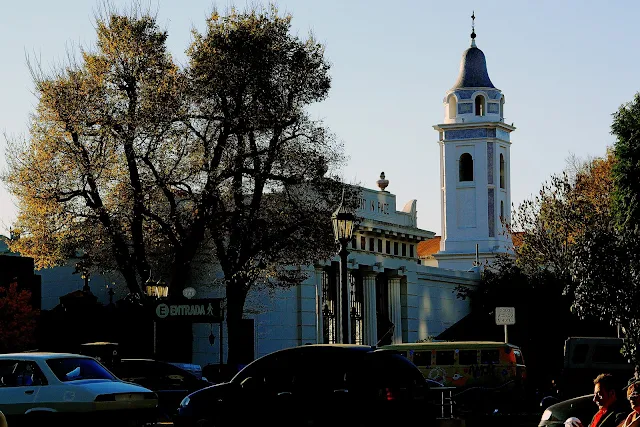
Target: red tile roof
(427,248)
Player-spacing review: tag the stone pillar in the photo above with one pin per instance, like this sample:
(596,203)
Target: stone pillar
(395,308)
(369,310)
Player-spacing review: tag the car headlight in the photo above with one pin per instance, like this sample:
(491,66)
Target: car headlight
(184,402)
(547,415)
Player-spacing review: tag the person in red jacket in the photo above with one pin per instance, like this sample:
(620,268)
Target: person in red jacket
(611,410)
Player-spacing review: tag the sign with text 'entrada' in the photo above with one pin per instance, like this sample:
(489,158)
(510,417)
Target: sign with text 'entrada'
(193,310)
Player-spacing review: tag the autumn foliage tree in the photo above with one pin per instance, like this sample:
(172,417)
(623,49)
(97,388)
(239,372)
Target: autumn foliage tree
(17,319)
(145,166)
(567,205)
(103,142)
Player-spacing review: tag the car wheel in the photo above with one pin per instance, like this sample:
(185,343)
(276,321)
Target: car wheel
(38,419)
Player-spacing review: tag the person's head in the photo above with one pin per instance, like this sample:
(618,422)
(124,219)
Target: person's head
(633,396)
(604,390)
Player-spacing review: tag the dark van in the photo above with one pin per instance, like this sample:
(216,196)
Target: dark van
(587,357)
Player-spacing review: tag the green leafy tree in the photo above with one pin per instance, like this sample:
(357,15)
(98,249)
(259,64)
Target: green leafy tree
(626,173)
(606,268)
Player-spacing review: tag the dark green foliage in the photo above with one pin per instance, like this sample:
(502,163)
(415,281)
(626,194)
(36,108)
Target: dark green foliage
(606,268)
(626,172)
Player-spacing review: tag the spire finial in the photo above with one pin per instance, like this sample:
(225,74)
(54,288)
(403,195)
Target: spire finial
(473,29)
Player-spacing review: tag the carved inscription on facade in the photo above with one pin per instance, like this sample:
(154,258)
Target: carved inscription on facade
(374,206)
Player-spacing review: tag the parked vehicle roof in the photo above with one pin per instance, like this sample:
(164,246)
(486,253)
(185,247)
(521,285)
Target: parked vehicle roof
(41,355)
(452,344)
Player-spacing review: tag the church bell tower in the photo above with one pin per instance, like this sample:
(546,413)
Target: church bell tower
(474,167)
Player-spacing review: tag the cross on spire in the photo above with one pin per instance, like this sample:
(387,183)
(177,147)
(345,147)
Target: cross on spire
(473,29)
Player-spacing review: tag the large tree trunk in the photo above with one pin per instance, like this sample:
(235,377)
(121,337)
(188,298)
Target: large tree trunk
(184,255)
(236,297)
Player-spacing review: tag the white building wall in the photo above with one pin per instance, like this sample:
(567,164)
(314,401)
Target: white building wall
(437,304)
(59,281)
(307,307)
(282,318)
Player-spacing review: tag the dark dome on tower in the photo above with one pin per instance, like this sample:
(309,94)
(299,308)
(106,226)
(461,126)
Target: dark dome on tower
(473,70)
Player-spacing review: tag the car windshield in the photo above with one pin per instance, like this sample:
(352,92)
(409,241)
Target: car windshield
(78,368)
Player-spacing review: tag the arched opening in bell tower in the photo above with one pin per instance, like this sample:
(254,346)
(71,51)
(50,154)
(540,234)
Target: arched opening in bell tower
(480,105)
(465,167)
(453,106)
(501,170)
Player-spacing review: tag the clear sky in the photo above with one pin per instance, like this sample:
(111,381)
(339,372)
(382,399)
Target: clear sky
(563,66)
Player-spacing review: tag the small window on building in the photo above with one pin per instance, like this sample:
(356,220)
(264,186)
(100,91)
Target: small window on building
(501,171)
(363,243)
(388,244)
(404,249)
(465,167)
(411,251)
(380,245)
(372,244)
(445,357)
(395,248)
(479,105)
(353,243)
(501,211)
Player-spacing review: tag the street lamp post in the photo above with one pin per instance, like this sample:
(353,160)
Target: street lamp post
(83,267)
(158,290)
(343,224)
